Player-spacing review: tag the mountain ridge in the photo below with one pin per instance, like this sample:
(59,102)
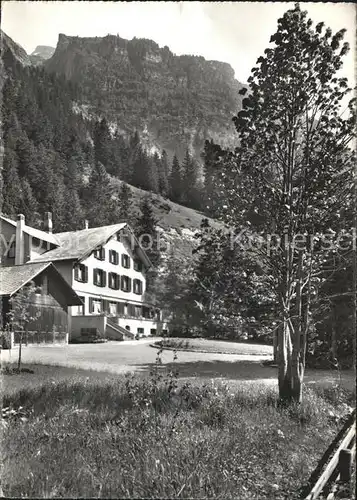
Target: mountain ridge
(177,102)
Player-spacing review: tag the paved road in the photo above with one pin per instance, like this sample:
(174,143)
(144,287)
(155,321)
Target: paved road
(120,357)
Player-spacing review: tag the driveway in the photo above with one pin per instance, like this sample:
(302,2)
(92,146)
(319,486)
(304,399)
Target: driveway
(138,356)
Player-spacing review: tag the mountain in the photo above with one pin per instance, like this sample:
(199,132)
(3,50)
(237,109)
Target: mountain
(41,54)
(175,102)
(12,52)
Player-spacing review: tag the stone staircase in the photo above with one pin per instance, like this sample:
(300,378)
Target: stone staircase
(115,332)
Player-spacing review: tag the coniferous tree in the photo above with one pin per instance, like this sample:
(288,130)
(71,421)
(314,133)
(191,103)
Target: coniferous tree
(189,194)
(125,203)
(102,144)
(74,208)
(147,233)
(100,207)
(163,173)
(11,180)
(175,180)
(28,203)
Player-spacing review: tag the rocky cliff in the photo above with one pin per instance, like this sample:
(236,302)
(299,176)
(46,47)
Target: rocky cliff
(174,101)
(41,54)
(12,52)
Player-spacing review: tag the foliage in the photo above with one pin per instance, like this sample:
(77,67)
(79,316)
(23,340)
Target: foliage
(21,313)
(288,178)
(228,288)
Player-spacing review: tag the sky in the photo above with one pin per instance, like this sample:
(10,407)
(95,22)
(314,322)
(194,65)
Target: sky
(233,32)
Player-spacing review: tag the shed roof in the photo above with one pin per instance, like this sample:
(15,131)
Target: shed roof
(13,278)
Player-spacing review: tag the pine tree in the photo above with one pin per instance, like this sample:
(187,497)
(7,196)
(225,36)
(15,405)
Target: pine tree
(146,231)
(163,173)
(11,183)
(28,203)
(125,203)
(189,194)
(74,208)
(100,207)
(175,181)
(102,144)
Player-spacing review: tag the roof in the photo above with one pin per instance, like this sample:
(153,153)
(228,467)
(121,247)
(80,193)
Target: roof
(13,278)
(35,233)
(77,245)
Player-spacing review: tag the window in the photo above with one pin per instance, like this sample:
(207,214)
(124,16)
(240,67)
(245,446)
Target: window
(113,257)
(138,287)
(140,330)
(153,331)
(99,253)
(125,261)
(137,311)
(138,265)
(113,308)
(99,277)
(114,281)
(81,273)
(11,251)
(95,305)
(80,309)
(125,284)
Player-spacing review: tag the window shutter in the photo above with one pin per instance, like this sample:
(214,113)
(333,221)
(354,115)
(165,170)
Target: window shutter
(129,284)
(102,253)
(95,276)
(85,274)
(117,282)
(76,273)
(104,278)
(140,287)
(90,304)
(123,260)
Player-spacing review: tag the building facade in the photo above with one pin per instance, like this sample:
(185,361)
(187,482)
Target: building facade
(105,266)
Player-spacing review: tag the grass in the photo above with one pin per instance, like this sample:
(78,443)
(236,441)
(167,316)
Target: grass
(131,437)
(214,346)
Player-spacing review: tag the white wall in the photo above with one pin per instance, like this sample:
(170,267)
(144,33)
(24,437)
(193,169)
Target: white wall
(91,290)
(79,322)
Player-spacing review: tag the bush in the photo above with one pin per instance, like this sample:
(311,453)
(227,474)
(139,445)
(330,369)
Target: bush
(5,339)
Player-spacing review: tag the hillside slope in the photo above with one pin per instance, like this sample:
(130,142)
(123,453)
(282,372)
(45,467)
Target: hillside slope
(177,224)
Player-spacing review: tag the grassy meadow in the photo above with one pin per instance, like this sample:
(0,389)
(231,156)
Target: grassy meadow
(109,436)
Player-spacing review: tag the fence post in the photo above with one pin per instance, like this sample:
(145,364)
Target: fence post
(345,465)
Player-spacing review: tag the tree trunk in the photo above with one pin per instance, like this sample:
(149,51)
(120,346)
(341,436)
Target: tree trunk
(275,344)
(20,352)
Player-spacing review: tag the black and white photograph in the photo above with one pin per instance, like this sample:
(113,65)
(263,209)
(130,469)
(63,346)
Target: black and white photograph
(178,262)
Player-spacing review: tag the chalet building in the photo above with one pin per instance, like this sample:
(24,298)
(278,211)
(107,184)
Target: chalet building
(105,266)
(49,306)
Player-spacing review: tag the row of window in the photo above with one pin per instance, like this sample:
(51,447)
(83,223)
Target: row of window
(99,254)
(115,282)
(97,306)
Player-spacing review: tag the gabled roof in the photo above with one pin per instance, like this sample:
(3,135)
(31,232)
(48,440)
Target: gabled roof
(13,278)
(35,233)
(78,245)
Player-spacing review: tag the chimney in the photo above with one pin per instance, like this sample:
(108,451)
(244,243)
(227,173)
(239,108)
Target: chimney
(86,224)
(20,240)
(48,222)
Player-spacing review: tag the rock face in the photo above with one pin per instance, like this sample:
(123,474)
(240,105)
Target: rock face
(12,52)
(175,102)
(41,54)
